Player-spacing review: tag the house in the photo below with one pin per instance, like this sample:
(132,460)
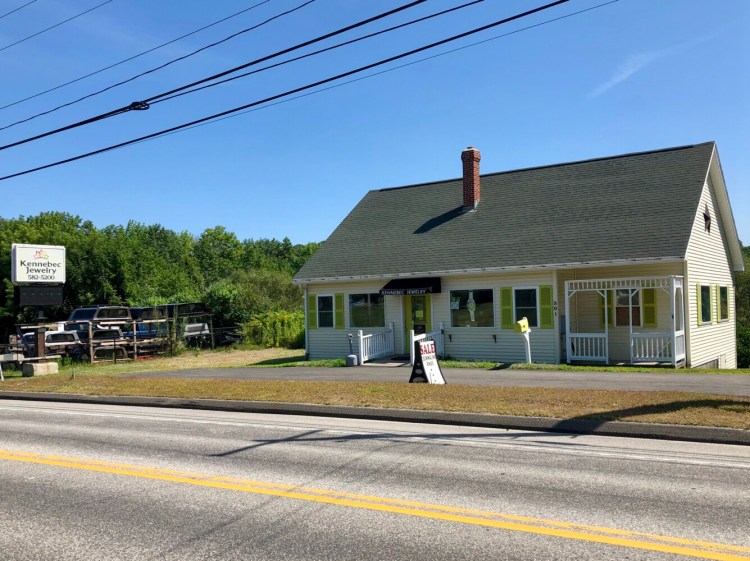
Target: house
(624,259)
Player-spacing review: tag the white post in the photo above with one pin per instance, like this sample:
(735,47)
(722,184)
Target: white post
(672,296)
(361,342)
(391,338)
(606,323)
(526,335)
(568,310)
(411,347)
(631,293)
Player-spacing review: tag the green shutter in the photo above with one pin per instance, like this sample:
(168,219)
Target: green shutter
(698,303)
(546,319)
(649,307)
(312,311)
(339,310)
(506,308)
(610,310)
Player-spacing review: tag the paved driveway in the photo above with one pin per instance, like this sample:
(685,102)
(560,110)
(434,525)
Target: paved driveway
(687,382)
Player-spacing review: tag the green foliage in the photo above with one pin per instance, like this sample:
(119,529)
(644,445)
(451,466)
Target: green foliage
(218,253)
(142,265)
(743,347)
(237,300)
(277,329)
(742,291)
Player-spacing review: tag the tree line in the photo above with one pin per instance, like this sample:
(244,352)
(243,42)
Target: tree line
(240,282)
(145,265)
(742,300)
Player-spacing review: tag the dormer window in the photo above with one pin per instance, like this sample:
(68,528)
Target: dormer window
(707,219)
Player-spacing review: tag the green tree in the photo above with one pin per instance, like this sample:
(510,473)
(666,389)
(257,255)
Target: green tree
(237,300)
(218,253)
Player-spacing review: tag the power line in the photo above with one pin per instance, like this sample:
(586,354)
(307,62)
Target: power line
(320,51)
(293,91)
(16,9)
(142,105)
(123,61)
(381,72)
(160,67)
(54,26)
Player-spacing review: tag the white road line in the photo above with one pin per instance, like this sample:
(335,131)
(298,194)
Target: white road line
(478,441)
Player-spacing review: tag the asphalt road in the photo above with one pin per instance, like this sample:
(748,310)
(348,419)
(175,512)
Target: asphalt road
(719,384)
(113,482)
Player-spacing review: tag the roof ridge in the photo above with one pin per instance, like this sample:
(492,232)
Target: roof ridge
(560,164)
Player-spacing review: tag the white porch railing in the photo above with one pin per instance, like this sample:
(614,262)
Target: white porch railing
(436,336)
(587,346)
(651,347)
(376,345)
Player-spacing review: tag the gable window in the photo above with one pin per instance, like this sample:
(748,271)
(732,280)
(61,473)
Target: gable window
(526,305)
(723,303)
(367,310)
(627,303)
(472,308)
(325,311)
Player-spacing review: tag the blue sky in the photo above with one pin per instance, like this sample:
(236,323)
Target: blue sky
(630,76)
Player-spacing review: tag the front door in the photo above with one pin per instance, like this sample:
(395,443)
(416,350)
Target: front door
(417,315)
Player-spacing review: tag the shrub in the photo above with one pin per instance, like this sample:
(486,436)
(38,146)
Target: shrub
(277,329)
(743,347)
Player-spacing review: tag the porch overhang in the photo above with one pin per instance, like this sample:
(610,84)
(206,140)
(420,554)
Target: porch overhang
(411,286)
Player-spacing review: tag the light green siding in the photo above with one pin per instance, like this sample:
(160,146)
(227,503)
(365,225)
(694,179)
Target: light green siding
(708,265)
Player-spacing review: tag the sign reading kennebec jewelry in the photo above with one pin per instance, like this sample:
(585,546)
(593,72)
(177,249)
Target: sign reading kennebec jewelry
(37,263)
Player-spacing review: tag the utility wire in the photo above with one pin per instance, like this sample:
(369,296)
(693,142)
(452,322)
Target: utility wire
(332,47)
(381,72)
(16,9)
(142,105)
(123,61)
(293,91)
(224,40)
(54,26)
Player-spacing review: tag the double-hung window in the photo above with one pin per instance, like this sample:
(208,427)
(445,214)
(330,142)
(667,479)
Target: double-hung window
(704,304)
(367,310)
(472,308)
(526,304)
(325,311)
(723,303)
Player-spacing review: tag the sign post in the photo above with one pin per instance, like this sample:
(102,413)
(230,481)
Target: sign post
(426,368)
(522,327)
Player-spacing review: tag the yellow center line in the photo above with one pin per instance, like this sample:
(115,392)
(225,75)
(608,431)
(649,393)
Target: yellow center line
(539,526)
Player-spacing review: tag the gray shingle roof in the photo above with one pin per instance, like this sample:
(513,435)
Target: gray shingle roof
(634,206)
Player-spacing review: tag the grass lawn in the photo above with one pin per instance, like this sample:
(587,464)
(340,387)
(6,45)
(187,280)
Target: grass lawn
(650,407)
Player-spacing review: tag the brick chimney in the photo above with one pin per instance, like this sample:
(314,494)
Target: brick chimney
(470,159)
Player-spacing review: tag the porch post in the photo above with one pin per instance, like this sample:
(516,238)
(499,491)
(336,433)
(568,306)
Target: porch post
(568,309)
(606,323)
(672,295)
(631,293)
